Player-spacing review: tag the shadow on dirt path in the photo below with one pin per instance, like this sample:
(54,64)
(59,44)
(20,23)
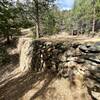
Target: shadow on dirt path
(16,88)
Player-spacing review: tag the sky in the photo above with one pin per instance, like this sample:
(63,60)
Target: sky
(65,4)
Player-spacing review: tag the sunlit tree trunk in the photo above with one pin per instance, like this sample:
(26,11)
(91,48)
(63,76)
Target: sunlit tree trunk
(37,29)
(94,16)
(37,18)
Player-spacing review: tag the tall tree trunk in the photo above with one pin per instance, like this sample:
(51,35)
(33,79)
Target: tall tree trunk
(37,18)
(37,29)
(94,14)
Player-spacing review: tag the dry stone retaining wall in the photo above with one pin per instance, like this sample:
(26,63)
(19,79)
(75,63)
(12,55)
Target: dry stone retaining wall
(78,62)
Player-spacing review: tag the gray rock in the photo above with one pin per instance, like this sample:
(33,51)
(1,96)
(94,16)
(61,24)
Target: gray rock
(97,43)
(62,57)
(98,48)
(80,60)
(77,52)
(72,58)
(94,60)
(96,95)
(83,48)
(69,53)
(92,49)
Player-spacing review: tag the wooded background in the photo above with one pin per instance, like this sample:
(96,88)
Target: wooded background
(46,18)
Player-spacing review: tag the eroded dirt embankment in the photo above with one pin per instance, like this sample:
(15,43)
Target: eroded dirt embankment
(56,68)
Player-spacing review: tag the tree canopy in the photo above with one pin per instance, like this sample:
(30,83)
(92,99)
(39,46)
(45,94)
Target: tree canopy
(85,15)
(47,18)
